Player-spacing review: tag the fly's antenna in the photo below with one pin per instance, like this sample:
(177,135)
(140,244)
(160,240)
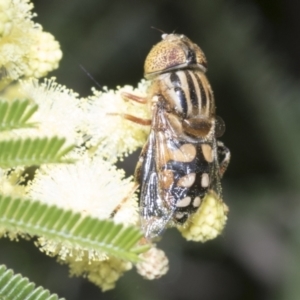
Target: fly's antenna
(152,27)
(73,58)
(90,76)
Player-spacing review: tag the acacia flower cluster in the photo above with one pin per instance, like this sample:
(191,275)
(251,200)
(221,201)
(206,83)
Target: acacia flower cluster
(92,185)
(25,49)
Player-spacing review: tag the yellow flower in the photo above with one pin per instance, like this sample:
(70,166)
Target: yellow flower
(208,221)
(91,186)
(25,50)
(59,112)
(44,54)
(92,121)
(112,134)
(103,273)
(154,264)
(10,182)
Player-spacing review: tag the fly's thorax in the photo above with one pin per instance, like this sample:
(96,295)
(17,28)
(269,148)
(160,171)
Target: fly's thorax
(186,93)
(188,102)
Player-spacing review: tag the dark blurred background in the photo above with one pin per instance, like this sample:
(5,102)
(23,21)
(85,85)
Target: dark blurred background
(253,50)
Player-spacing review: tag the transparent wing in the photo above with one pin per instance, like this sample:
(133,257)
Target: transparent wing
(158,200)
(155,212)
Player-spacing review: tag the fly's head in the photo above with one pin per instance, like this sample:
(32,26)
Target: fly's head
(175,51)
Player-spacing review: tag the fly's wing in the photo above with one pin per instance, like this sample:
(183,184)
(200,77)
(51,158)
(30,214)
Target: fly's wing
(157,203)
(155,213)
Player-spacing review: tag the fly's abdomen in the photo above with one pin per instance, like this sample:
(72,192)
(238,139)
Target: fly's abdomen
(186,179)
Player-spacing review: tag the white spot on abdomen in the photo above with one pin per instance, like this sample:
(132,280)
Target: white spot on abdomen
(187,180)
(197,201)
(205,180)
(207,152)
(184,202)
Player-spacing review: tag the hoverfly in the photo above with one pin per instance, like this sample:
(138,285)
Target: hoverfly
(182,160)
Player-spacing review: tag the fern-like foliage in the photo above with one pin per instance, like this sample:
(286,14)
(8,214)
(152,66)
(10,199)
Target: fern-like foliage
(28,152)
(60,225)
(16,287)
(15,114)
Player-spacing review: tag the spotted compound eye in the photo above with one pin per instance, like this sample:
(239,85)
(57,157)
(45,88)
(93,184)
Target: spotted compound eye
(175,51)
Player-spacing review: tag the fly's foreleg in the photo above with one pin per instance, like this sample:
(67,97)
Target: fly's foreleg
(134,119)
(131,97)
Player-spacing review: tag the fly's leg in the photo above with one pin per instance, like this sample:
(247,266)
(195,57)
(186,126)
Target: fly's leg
(223,157)
(135,98)
(137,182)
(134,119)
(124,200)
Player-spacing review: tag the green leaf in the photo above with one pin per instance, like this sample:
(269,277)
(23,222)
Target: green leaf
(28,152)
(36,218)
(15,114)
(16,287)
